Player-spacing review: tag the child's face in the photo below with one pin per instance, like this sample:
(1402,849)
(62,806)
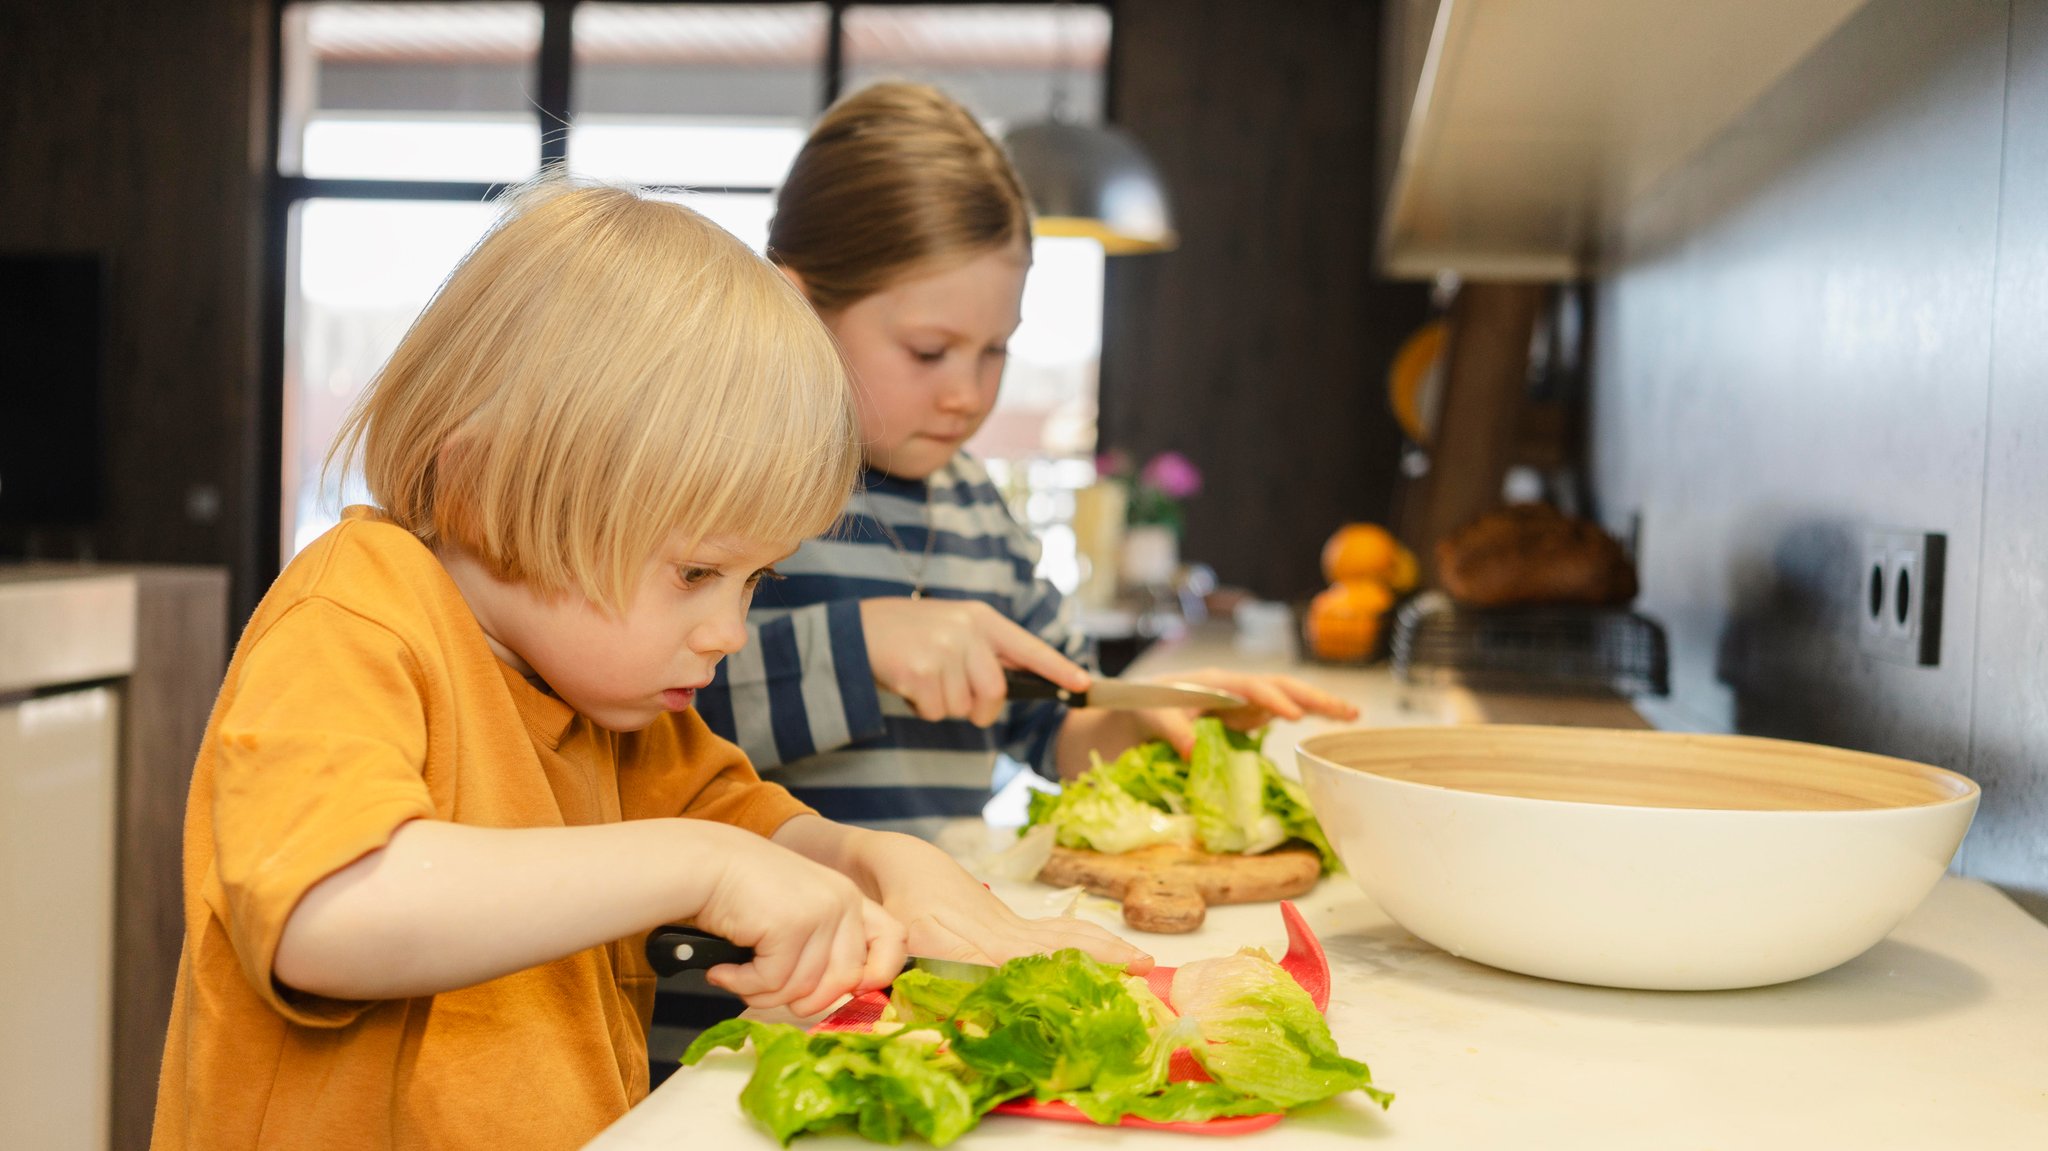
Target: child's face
(927,355)
(623,671)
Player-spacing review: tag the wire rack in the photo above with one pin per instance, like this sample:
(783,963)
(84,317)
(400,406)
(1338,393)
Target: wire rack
(1529,649)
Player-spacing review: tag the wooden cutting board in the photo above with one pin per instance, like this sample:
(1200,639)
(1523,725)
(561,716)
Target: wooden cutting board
(1168,889)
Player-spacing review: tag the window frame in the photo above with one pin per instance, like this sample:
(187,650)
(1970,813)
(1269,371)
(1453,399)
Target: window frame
(553,90)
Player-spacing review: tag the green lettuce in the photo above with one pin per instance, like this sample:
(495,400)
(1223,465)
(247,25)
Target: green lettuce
(881,1086)
(1131,802)
(1055,1027)
(1226,796)
(1262,1035)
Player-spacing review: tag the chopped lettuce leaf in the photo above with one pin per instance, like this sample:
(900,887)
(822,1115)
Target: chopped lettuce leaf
(1059,1026)
(1263,1036)
(1062,1023)
(1226,797)
(919,997)
(882,1086)
(1095,811)
(1226,791)
(1288,803)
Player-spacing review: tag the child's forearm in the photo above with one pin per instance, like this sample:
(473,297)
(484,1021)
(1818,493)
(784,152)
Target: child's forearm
(443,905)
(867,856)
(1084,733)
(834,845)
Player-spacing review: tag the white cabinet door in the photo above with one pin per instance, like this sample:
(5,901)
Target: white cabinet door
(57,775)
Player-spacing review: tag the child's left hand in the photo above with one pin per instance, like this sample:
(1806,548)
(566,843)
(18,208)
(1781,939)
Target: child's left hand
(1267,697)
(950,915)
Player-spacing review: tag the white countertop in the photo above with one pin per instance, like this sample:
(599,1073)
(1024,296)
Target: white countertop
(1937,1038)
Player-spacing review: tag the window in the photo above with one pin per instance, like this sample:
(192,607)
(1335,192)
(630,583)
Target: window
(409,91)
(400,122)
(705,96)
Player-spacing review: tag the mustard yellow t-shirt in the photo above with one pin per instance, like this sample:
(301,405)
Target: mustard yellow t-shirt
(363,695)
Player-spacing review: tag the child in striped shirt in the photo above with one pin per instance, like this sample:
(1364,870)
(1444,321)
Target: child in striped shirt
(874,690)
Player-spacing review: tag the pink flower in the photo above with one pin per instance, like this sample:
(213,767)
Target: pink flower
(1113,464)
(1173,475)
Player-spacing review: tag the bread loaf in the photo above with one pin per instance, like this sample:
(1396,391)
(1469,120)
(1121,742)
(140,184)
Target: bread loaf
(1533,554)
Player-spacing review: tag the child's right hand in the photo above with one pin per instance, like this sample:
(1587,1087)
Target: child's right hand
(947,656)
(815,936)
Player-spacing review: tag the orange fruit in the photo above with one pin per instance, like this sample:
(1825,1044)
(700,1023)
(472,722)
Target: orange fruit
(1402,577)
(1344,619)
(1360,551)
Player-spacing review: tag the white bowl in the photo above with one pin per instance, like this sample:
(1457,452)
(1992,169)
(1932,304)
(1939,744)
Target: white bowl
(1635,858)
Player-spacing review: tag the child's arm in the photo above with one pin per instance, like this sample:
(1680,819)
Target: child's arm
(444,905)
(1108,733)
(948,912)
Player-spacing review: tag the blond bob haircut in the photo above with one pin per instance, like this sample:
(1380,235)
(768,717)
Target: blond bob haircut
(601,371)
(896,180)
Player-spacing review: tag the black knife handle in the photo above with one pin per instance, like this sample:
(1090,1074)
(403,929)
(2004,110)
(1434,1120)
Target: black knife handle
(674,949)
(1023,684)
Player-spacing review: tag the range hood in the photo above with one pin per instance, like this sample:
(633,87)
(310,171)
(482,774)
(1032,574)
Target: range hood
(1531,124)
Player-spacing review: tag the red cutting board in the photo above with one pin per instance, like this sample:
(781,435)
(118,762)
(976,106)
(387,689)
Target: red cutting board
(1304,960)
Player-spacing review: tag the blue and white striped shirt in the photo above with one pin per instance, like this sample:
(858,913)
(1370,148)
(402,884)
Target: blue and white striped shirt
(801,700)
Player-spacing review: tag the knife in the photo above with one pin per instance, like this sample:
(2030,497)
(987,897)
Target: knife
(1121,695)
(675,949)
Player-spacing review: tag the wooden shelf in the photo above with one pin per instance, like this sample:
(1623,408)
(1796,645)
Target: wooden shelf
(1533,123)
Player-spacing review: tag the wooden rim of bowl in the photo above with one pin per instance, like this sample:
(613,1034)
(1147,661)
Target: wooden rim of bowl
(1657,769)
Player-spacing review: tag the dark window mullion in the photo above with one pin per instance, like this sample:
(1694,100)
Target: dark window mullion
(556,57)
(292,189)
(835,54)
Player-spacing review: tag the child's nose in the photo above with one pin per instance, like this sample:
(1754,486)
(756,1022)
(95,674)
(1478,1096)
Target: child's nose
(960,391)
(725,632)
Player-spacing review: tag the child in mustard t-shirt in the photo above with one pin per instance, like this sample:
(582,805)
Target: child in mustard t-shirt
(453,775)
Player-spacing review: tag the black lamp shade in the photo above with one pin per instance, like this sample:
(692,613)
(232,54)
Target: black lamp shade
(1093,181)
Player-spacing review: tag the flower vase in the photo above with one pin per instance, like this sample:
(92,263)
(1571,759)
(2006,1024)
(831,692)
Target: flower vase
(1151,556)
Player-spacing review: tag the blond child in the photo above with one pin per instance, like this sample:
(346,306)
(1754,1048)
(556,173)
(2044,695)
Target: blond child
(907,229)
(453,775)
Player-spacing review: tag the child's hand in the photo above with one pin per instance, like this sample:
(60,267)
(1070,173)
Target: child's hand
(1267,697)
(952,916)
(947,656)
(815,936)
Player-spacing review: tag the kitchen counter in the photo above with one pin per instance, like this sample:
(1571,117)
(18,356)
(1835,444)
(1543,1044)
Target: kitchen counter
(1932,1039)
(107,676)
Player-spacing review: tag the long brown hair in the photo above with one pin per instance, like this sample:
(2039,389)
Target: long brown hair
(895,179)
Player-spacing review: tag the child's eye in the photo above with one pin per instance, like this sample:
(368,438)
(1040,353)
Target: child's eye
(754,580)
(693,576)
(998,352)
(925,357)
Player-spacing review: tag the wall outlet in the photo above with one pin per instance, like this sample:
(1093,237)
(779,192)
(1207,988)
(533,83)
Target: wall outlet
(1899,594)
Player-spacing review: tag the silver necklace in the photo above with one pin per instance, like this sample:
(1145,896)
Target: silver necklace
(930,537)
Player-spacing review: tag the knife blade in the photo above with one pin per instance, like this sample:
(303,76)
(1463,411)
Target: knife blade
(1121,695)
(674,949)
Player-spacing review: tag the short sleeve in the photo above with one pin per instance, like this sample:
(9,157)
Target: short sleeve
(319,760)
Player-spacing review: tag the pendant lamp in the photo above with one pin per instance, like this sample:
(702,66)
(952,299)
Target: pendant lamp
(1089,180)
(1092,180)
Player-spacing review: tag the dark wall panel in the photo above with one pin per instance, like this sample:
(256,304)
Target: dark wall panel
(1260,347)
(1832,319)
(2009,713)
(131,129)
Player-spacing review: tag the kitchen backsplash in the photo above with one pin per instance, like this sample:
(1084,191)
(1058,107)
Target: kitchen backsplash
(1836,317)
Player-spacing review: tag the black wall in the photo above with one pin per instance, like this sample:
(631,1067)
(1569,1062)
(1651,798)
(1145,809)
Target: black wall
(1259,348)
(133,129)
(138,130)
